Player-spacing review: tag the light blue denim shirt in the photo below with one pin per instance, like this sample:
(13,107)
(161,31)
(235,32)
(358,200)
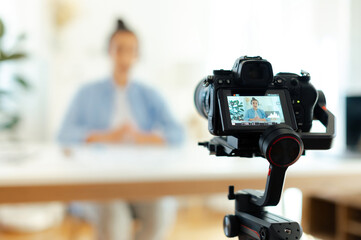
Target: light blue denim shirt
(250,113)
(93,105)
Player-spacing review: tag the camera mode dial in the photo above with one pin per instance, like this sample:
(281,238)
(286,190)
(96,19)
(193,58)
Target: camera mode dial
(208,80)
(305,76)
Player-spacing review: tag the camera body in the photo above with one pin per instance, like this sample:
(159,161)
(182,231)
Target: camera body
(227,99)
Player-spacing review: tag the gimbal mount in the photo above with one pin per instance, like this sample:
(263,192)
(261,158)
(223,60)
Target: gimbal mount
(282,147)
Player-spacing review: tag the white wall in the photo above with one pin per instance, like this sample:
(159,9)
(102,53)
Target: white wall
(182,41)
(292,35)
(353,83)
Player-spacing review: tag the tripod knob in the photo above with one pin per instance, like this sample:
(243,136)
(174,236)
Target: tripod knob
(281,145)
(231,226)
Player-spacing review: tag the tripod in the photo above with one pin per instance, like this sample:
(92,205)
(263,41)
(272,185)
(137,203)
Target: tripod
(251,221)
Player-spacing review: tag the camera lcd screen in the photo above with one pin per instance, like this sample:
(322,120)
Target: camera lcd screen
(245,110)
(255,110)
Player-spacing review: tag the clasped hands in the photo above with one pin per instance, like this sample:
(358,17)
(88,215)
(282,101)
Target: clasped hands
(126,133)
(258,119)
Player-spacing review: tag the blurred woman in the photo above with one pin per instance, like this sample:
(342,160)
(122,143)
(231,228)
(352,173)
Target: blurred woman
(120,110)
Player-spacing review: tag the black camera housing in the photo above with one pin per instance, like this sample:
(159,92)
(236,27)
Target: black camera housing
(253,76)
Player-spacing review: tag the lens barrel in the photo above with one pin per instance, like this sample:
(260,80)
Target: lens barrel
(201,99)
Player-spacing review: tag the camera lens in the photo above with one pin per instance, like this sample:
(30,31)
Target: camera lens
(201,99)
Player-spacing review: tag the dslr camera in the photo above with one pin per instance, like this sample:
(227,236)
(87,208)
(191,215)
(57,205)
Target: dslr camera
(251,112)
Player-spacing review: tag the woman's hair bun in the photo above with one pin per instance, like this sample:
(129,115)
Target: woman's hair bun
(121,26)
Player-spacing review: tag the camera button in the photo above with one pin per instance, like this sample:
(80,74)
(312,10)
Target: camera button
(294,82)
(279,82)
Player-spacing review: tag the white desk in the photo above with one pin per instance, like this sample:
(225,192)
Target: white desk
(100,173)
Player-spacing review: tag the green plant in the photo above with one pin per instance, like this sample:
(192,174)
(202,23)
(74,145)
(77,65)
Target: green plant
(10,119)
(236,110)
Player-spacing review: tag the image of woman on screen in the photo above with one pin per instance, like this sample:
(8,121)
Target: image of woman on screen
(255,114)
